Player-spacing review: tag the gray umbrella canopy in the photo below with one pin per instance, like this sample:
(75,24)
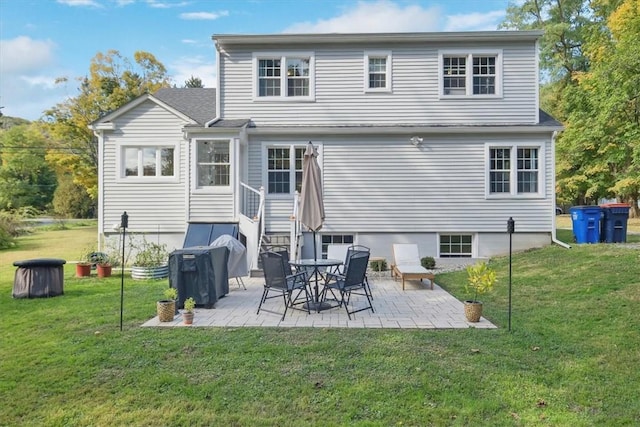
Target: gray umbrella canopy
(311,203)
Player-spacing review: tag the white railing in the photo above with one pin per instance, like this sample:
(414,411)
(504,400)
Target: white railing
(252,223)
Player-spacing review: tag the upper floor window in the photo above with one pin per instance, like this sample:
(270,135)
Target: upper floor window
(470,74)
(514,170)
(287,76)
(284,169)
(148,161)
(377,71)
(213,163)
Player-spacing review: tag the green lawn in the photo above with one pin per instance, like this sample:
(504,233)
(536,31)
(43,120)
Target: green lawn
(571,359)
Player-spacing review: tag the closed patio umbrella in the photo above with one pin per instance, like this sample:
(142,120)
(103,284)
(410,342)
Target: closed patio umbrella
(311,203)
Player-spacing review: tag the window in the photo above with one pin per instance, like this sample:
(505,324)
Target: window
(213,163)
(284,169)
(328,239)
(148,161)
(470,74)
(377,71)
(514,170)
(456,245)
(294,82)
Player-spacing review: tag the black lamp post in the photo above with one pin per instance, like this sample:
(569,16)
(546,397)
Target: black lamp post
(124,223)
(511,228)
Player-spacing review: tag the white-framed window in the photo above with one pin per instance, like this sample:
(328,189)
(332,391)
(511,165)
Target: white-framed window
(284,168)
(455,245)
(377,73)
(148,162)
(213,163)
(284,76)
(330,239)
(514,170)
(470,74)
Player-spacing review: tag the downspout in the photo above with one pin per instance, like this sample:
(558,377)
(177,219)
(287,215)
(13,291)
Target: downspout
(554,239)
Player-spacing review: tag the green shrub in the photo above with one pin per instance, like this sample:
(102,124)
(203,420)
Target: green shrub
(378,265)
(72,200)
(428,262)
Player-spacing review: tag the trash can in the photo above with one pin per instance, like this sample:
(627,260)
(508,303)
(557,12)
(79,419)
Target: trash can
(586,223)
(614,223)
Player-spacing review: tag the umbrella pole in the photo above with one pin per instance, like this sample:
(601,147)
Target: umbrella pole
(315,267)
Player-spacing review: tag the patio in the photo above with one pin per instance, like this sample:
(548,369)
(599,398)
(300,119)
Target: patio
(417,307)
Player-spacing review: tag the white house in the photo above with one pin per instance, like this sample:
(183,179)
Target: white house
(431,138)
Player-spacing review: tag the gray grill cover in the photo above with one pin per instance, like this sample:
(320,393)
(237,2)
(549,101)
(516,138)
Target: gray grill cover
(237,264)
(42,277)
(199,272)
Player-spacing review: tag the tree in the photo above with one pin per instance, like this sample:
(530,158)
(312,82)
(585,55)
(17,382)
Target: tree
(26,180)
(193,82)
(112,82)
(71,200)
(601,149)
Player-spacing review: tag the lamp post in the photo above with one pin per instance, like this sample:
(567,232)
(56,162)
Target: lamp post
(511,226)
(124,223)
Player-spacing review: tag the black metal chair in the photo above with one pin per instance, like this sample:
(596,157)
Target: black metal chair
(356,249)
(277,279)
(353,281)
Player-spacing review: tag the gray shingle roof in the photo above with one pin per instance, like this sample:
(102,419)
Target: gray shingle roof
(197,103)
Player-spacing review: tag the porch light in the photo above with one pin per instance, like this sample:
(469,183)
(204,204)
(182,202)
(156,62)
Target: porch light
(416,141)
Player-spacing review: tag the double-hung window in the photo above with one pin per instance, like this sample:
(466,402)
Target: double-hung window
(148,161)
(470,74)
(284,76)
(284,169)
(377,71)
(213,163)
(514,170)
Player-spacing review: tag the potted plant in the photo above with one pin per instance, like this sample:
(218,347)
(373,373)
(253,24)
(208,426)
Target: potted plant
(83,267)
(187,314)
(167,307)
(103,264)
(151,261)
(480,279)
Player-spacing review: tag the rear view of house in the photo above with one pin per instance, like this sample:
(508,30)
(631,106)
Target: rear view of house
(427,138)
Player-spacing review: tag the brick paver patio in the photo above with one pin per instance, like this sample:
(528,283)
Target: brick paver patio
(418,307)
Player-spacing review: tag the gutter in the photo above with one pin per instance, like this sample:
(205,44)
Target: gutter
(554,238)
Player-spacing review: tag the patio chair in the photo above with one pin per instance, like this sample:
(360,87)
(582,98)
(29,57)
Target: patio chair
(338,251)
(353,281)
(355,249)
(277,279)
(406,264)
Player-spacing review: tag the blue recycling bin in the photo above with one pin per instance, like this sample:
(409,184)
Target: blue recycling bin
(614,222)
(586,223)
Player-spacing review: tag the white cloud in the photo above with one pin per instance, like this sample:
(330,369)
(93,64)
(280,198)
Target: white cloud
(377,16)
(189,41)
(197,66)
(24,55)
(166,5)
(208,16)
(475,21)
(80,3)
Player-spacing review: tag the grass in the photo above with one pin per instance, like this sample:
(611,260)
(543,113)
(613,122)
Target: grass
(571,358)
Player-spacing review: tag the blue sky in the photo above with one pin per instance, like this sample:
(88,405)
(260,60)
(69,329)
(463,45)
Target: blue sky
(42,40)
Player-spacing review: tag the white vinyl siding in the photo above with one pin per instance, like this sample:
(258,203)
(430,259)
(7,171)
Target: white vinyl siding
(387,185)
(339,98)
(145,197)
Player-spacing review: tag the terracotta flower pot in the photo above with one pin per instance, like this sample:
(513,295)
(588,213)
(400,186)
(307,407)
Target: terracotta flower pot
(187,318)
(104,270)
(83,269)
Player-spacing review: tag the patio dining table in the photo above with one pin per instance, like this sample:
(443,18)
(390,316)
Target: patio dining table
(312,267)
